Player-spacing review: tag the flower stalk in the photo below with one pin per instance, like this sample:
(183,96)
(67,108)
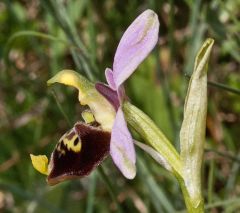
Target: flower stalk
(187,165)
(146,128)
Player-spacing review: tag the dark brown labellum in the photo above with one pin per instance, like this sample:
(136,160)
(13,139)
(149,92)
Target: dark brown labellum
(78,152)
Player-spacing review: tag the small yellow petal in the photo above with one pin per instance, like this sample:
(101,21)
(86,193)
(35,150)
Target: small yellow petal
(40,163)
(88,116)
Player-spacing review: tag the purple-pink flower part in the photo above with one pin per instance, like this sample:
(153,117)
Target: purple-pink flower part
(135,45)
(110,94)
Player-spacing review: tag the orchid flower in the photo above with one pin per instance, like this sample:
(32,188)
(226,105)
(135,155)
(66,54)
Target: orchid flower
(105,120)
(105,130)
(136,43)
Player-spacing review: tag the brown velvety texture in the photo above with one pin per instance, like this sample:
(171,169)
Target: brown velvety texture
(95,145)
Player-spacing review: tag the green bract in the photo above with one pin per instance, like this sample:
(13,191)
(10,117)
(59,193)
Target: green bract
(186,166)
(192,134)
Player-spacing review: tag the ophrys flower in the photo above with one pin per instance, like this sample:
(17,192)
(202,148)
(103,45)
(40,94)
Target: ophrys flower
(104,124)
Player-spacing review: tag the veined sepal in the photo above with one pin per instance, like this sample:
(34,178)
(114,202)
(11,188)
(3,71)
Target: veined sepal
(192,133)
(146,128)
(102,110)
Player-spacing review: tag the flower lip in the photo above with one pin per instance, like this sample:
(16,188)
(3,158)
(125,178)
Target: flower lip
(67,162)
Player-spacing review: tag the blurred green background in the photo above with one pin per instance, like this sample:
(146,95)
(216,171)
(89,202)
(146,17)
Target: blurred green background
(40,38)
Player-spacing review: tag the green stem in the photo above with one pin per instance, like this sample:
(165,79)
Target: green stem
(211,181)
(166,90)
(30,33)
(221,86)
(224,87)
(110,187)
(61,108)
(140,122)
(81,58)
(91,193)
(146,128)
(191,208)
(223,203)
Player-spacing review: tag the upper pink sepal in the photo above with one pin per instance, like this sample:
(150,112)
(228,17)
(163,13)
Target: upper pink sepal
(136,43)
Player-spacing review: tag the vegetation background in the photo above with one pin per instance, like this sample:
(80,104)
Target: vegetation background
(40,38)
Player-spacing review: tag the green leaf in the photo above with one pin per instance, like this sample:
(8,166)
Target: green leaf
(192,134)
(159,198)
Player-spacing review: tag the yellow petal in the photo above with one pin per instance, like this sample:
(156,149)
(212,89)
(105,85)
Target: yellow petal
(88,117)
(102,110)
(40,163)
